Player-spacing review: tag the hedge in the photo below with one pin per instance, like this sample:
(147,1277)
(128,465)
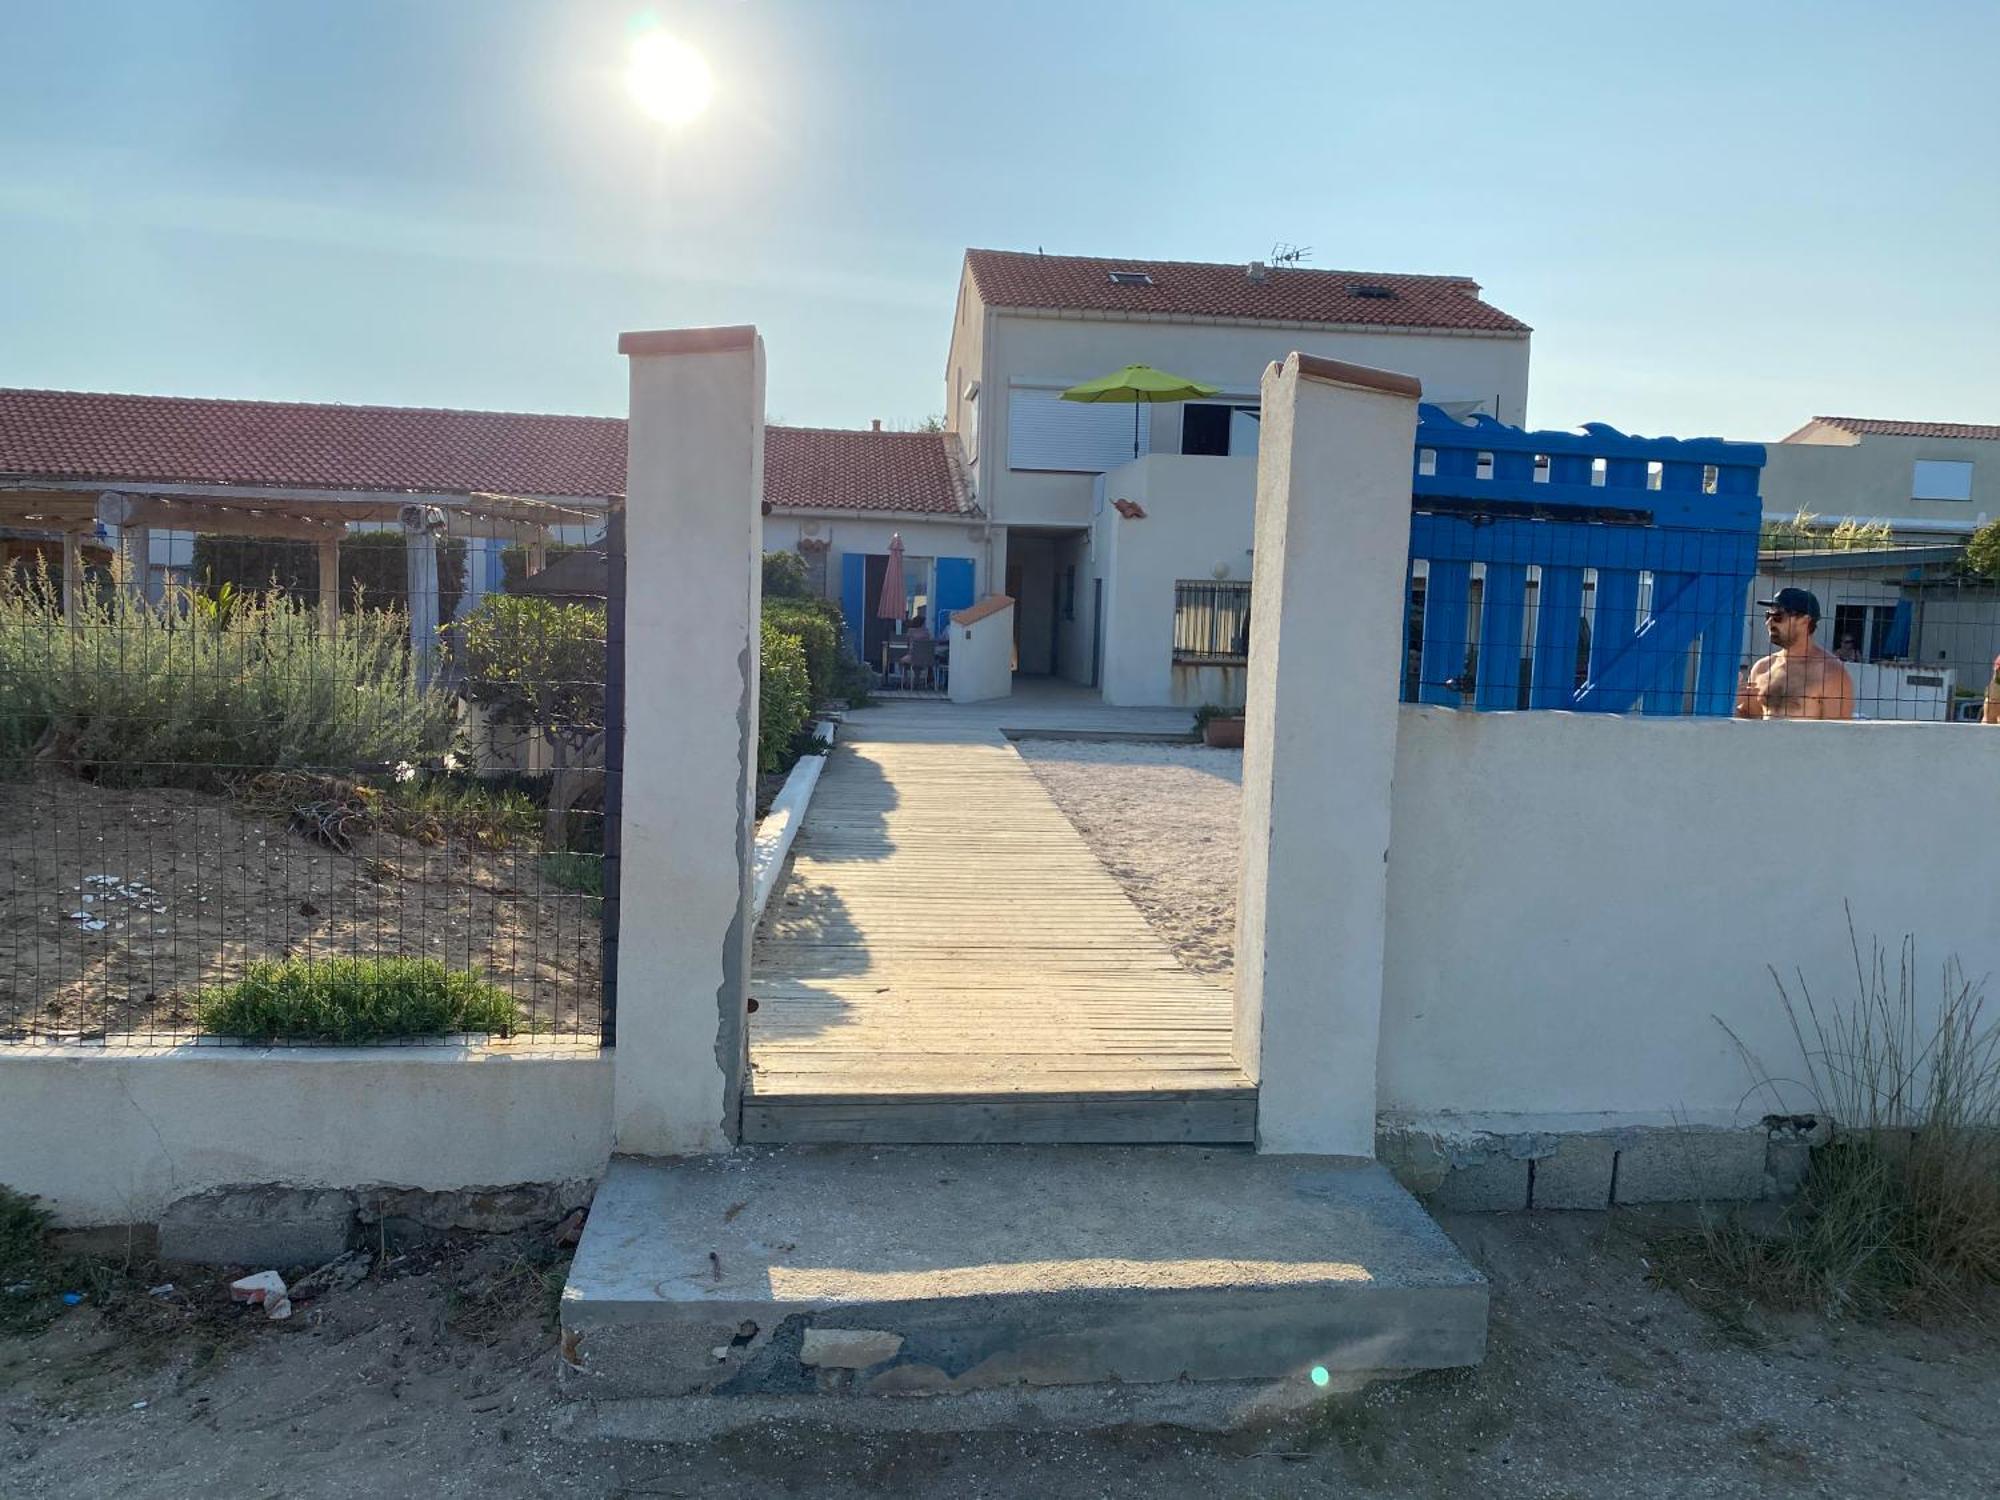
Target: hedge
(188,694)
(784,700)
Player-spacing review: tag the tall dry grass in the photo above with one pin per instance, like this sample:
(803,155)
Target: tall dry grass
(1900,1207)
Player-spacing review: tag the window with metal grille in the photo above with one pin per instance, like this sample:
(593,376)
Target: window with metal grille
(1211,621)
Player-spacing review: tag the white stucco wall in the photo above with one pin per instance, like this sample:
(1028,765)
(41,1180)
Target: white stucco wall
(1574,900)
(982,657)
(111,1135)
(1062,351)
(1200,516)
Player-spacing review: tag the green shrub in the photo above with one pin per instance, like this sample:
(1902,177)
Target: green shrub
(536,663)
(832,664)
(1982,553)
(785,576)
(354,1000)
(374,569)
(820,638)
(185,692)
(784,700)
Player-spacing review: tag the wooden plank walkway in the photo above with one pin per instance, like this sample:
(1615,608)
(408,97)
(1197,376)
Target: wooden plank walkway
(948,961)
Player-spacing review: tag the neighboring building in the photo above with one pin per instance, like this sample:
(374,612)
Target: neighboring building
(1048,474)
(1924,478)
(1920,629)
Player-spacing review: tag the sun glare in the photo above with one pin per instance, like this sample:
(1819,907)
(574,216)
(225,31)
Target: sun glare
(667,78)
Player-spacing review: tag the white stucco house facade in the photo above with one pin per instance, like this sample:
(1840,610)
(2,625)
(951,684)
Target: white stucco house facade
(1096,581)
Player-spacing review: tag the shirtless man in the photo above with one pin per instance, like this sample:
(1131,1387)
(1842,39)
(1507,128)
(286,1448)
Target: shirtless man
(1801,679)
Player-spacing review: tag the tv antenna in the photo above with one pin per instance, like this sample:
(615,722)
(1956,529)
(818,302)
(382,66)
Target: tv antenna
(1284,253)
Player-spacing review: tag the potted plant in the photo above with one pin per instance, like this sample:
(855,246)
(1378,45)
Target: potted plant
(1220,728)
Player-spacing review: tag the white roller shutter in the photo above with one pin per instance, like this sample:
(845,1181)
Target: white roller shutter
(1046,432)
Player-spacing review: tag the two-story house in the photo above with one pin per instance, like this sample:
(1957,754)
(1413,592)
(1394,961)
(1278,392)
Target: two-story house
(1095,582)
(1905,606)
(1113,595)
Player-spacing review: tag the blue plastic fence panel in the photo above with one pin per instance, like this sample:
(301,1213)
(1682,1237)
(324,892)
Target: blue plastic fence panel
(954,590)
(1558,630)
(1501,501)
(1447,597)
(854,597)
(1505,600)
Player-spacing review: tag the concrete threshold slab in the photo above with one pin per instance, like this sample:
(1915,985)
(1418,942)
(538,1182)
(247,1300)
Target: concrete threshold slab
(903,1270)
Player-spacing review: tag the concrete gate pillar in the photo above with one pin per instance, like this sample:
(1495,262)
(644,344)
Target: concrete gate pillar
(1332,554)
(694,582)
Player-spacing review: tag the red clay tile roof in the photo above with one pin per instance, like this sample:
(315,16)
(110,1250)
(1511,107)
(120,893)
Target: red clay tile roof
(1295,294)
(824,468)
(1885,427)
(288,445)
(81,435)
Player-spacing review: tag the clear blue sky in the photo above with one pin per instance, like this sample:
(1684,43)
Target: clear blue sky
(1719,218)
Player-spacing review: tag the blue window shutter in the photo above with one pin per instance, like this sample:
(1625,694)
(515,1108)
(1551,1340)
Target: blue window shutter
(954,589)
(854,596)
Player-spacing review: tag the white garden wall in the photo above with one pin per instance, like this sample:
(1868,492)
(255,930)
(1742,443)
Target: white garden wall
(1577,902)
(111,1135)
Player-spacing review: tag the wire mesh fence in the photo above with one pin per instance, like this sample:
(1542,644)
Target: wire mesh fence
(344,784)
(1832,623)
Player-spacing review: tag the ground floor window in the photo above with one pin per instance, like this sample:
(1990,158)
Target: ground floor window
(1211,621)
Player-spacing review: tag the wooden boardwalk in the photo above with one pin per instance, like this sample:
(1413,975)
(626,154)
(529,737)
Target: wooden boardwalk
(948,961)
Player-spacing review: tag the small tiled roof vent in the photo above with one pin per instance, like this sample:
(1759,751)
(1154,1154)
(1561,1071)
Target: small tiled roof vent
(1373,292)
(1131,278)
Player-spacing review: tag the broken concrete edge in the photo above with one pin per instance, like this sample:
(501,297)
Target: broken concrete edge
(266,1224)
(1499,1163)
(781,824)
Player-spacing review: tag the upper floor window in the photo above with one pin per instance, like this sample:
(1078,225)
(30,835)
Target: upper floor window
(1131,278)
(1217,430)
(1941,479)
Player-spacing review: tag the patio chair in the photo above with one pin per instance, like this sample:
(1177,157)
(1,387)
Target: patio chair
(920,662)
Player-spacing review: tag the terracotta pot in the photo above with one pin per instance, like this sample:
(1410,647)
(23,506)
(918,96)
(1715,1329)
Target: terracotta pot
(1223,734)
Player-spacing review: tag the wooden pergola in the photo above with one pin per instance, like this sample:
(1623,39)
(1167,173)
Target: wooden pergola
(131,513)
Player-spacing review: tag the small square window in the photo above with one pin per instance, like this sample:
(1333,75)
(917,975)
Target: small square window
(1940,479)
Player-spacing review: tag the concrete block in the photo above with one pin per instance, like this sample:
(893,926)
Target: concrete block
(258,1225)
(1414,1158)
(1687,1164)
(1786,1163)
(991,1266)
(848,1348)
(1491,1184)
(1577,1174)
(482,1210)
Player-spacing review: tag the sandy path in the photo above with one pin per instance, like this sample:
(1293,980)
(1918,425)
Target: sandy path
(1164,819)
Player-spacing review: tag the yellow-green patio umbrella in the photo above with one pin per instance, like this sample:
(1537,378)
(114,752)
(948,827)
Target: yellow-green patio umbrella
(1136,384)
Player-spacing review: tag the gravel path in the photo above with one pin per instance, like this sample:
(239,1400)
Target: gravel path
(1163,818)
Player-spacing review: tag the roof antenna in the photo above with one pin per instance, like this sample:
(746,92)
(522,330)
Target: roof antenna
(1284,253)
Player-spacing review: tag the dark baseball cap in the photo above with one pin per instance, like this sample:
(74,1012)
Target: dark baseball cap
(1793,602)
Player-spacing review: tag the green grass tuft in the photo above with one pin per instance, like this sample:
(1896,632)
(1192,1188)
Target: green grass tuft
(354,1000)
(1900,1210)
(583,874)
